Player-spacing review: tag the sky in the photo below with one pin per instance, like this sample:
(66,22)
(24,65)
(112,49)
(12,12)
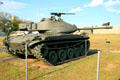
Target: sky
(87,12)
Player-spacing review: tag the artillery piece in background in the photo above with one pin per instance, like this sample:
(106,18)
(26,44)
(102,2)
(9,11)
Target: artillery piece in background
(50,40)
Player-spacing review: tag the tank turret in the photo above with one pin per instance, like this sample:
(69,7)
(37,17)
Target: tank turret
(50,25)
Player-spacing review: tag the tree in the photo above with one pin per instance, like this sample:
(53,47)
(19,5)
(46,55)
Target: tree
(9,23)
(15,21)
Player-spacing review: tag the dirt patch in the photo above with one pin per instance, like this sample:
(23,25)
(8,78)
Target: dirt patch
(39,65)
(32,63)
(35,64)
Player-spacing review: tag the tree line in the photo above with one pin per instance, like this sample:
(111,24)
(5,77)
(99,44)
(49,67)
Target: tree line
(9,23)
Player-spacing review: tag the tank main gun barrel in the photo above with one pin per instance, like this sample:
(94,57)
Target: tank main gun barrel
(59,14)
(91,28)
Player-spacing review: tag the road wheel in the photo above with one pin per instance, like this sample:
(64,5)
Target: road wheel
(62,55)
(53,57)
(70,53)
(76,52)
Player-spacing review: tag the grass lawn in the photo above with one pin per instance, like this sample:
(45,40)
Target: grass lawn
(82,69)
(3,55)
(85,69)
(10,72)
(98,41)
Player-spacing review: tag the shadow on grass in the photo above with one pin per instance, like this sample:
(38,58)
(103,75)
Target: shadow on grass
(23,56)
(92,51)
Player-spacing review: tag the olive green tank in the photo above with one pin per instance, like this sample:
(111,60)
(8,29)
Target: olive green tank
(50,40)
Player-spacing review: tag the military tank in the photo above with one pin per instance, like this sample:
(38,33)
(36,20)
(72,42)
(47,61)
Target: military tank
(51,40)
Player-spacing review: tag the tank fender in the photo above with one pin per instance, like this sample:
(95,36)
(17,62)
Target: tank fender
(36,39)
(33,42)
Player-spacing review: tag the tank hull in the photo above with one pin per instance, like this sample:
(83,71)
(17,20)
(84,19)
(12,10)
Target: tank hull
(52,49)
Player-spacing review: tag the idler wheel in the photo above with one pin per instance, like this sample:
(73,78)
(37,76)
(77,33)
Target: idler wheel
(83,50)
(53,57)
(70,53)
(88,45)
(62,55)
(76,52)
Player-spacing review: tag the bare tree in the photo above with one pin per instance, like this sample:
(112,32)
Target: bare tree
(7,24)
(5,21)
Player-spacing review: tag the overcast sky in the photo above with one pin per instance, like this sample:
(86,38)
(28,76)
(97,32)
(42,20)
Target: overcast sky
(88,12)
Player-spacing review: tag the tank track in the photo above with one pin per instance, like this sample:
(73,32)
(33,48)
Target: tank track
(42,51)
(36,51)
(15,53)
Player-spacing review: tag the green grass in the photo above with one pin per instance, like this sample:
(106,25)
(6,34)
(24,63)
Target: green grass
(98,41)
(82,69)
(10,72)
(3,55)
